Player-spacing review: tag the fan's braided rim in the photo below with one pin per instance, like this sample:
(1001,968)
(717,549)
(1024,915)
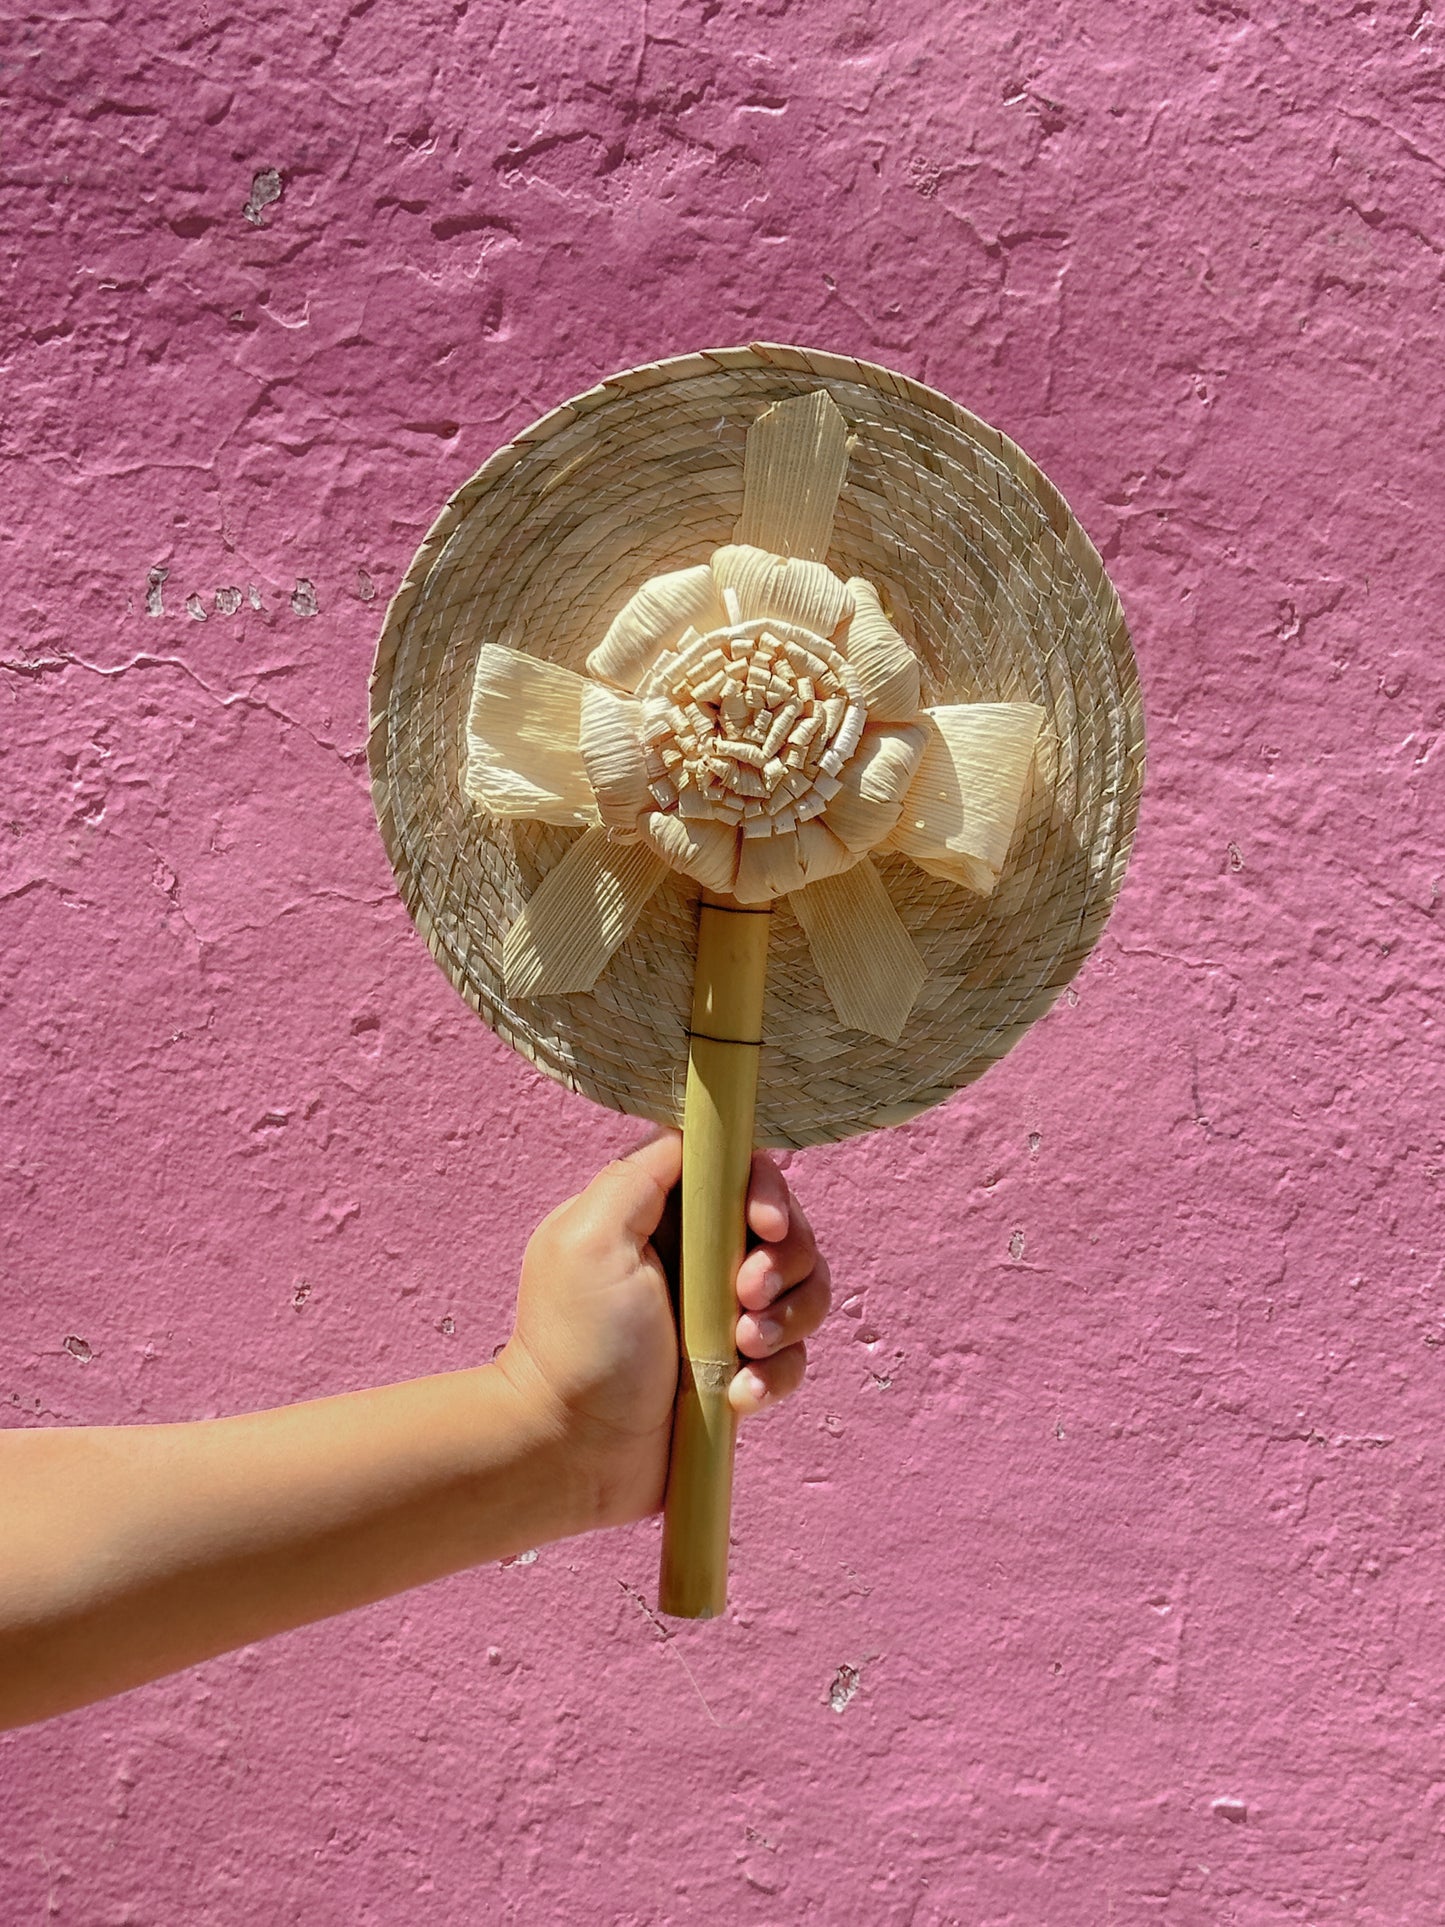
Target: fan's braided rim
(986,572)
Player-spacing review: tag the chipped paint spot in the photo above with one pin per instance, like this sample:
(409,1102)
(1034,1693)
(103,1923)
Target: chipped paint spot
(844,1687)
(267,188)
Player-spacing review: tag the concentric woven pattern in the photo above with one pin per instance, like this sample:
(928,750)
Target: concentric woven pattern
(984,571)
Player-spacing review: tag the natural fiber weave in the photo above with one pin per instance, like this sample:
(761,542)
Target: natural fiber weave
(987,575)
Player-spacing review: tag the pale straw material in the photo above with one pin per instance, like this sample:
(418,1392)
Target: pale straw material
(983,569)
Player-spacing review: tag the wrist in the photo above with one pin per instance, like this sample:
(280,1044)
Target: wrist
(565,1476)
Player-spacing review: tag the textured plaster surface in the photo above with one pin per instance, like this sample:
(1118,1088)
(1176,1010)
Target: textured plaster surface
(1096,1575)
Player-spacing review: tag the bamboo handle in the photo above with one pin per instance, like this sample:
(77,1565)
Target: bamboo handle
(717,1150)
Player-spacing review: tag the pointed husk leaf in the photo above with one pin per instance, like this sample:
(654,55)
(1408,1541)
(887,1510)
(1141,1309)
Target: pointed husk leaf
(793,465)
(523,739)
(578,915)
(963,804)
(869,964)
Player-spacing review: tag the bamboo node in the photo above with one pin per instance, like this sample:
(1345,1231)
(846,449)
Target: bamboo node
(712,1374)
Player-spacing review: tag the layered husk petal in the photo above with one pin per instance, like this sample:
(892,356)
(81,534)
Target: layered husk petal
(873,785)
(773,866)
(652,620)
(887,668)
(793,590)
(612,752)
(705,851)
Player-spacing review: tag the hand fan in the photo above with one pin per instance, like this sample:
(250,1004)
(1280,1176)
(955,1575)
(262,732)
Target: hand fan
(757,743)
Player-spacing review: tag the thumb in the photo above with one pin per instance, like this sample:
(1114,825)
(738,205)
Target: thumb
(635,1187)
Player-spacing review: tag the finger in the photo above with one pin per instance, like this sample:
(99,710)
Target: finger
(632,1190)
(771,1207)
(765,1274)
(797,1314)
(660,1155)
(760,1385)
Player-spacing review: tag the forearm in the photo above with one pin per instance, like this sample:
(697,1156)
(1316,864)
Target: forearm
(130,1552)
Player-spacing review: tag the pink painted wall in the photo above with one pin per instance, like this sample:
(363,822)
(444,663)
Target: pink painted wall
(1096,1576)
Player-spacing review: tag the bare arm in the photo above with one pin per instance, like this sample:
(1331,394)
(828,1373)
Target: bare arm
(131,1551)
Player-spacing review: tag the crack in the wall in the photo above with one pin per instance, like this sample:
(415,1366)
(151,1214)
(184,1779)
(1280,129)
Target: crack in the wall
(665,1637)
(35,667)
(168,883)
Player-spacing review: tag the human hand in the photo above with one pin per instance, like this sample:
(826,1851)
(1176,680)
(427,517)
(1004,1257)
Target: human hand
(594,1348)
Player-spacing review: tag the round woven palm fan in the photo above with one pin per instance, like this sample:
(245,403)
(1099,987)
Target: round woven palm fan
(648,538)
(985,572)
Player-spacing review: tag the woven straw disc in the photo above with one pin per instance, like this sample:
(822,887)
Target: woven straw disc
(985,572)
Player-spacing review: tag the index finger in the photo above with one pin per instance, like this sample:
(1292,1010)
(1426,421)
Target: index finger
(771,1206)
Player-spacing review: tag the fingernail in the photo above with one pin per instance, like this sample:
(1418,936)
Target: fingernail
(756,1383)
(772,1282)
(767,1329)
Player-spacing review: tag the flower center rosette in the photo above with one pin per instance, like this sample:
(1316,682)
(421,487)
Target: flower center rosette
(754,722)
(750,725)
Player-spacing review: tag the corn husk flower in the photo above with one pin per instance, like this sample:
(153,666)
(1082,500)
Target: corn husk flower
(754,722)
